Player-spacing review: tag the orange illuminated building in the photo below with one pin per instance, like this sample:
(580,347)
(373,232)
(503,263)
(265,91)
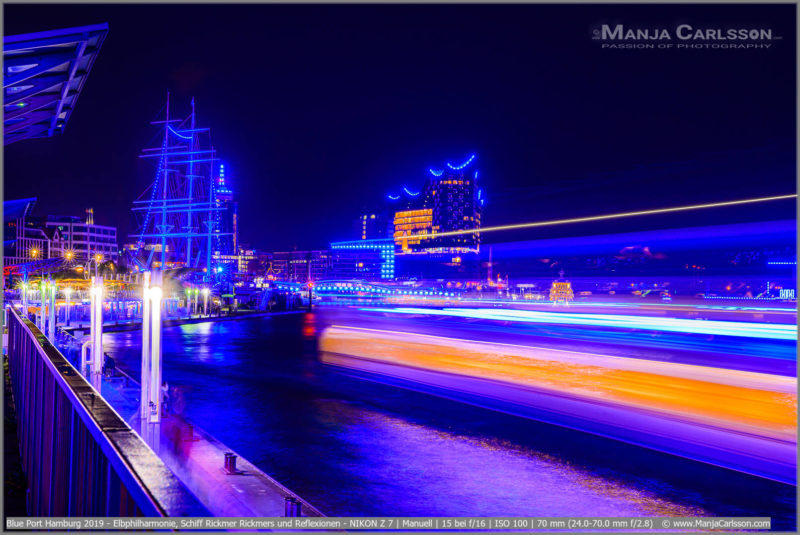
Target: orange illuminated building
(409,225)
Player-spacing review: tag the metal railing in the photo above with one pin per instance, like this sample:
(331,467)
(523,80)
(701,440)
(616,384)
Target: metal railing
(79,456)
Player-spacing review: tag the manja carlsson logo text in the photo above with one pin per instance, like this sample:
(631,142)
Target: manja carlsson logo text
(682,32)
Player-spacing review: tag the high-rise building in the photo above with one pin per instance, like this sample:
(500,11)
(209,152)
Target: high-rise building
(228,222)
(449,202)
(455,200)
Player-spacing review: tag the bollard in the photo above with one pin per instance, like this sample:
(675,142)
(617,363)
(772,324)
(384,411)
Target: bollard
(291,506)
(230,463)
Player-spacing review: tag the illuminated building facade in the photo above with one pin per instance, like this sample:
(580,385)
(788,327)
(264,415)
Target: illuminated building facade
(455,200)
(300,266)
(83,238)
(411,228)
(370,260)
(450,201)
(228,215)
(235,263)
(561,292)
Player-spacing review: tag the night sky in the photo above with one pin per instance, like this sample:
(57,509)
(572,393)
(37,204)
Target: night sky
(320,111)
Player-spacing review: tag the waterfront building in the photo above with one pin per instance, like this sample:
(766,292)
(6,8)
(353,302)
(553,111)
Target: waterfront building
(411,230)
(82,239)
(455,200)
(370,260)
(300,266)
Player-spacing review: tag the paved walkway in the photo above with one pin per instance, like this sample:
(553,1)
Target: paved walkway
(198,460)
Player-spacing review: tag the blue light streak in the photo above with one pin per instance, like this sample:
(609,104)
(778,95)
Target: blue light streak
(462,166)
(714,327)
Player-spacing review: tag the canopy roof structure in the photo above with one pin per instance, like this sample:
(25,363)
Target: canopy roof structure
(43,75)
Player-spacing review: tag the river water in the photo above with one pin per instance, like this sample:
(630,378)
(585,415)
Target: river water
(354,447)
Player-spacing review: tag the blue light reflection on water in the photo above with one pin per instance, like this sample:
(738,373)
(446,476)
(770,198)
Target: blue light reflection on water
(354,447)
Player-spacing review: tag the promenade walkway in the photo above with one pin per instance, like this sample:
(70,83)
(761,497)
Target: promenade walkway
(198,460)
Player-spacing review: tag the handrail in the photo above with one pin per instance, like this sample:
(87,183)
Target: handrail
(80,457)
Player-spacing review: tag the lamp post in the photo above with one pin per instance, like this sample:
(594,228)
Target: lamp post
(205,301)
(25,299)
(97,329)
(67,293)
(194,307)
(51,320)
(155,356)
(189,302)
(145,397)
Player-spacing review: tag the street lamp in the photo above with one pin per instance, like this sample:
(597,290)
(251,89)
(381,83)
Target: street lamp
(205,301)
(67,293)
(34,253)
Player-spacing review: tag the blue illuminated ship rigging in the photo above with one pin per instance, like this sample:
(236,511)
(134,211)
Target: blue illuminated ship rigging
(178,214)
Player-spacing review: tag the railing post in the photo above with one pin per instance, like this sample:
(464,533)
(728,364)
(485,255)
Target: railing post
(145,394)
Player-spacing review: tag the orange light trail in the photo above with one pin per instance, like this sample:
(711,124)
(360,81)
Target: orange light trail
(741,401)
(608,216)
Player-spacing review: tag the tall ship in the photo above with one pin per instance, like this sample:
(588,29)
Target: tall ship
(178,216)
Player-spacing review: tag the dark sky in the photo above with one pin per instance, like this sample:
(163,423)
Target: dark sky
(321,110)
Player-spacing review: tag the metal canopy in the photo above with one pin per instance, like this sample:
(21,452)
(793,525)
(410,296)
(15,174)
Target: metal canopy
(43,75)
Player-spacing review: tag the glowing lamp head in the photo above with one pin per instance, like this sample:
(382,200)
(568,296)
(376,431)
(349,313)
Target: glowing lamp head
(205,292)
(155,294)
(35,252)
(98,258)
(67,291)
(69,255)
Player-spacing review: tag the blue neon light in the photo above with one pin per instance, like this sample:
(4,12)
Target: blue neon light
(463,165)
(779,263)
(393,197)
(436,173)
(476,174)
(409,192)
(177,134)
